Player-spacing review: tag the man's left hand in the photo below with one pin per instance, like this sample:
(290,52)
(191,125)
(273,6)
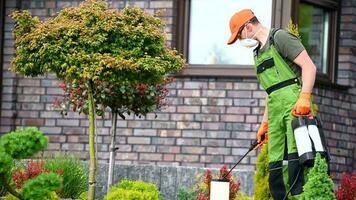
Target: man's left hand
(302,107)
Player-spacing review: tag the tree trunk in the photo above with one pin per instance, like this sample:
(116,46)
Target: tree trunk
(112,149)
(92,154)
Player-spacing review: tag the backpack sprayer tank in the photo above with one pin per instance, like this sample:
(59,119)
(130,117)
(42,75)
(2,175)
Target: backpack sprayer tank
(309,139)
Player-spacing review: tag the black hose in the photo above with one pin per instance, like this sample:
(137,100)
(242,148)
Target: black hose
(295,180)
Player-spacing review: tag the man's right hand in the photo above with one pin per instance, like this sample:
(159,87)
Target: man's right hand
(262,135)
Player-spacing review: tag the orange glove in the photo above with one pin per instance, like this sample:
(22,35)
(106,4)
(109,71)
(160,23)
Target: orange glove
(262,133)
(302,107)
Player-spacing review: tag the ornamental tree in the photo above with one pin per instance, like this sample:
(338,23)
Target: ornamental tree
(109,54)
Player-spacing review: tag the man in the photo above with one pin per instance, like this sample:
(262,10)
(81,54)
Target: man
(287,73)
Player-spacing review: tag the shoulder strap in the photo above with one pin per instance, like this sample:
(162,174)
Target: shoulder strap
(271,38)
(271,41)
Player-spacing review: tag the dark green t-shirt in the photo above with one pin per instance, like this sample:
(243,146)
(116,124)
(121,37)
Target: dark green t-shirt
(288,46)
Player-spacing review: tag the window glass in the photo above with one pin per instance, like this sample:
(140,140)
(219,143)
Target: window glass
(314,25)
(209,31)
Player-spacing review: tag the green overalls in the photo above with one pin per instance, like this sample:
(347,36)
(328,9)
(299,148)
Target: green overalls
(283,88)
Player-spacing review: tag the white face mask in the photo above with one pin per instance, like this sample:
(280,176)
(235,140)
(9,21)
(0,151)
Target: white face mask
(250,42)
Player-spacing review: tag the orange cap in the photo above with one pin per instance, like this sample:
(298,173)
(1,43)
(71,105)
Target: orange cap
(237,21)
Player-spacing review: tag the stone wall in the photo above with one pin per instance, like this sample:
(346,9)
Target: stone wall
(167,178)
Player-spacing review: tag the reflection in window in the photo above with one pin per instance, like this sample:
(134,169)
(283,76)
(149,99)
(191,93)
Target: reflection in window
(209,31)
(314,31)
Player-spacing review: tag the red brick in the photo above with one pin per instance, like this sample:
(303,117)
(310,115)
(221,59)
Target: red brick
(145,132)
(189,93)
(28,98)
(213,109)
(127,156)
(245,86)
(73,147)
(232,118)
(33,90)
(161,4)
(188,109)
(144,148)
(213,93)
(29,82)
(182,117)
(168,157)
(212,159)
(151,156)
(188,125)
(33,122)
(187,158)
(193,150)
(168,149)
(213,126)
(194,133)
(188,142)
(139,140)
(67,122)
(218,151)
(164,124)
(51,130)
(28,114)
(169,133)
(195,101)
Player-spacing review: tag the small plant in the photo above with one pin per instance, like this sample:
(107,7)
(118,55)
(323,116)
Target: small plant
(186,194)
(319,185)
(41,187)
(347,187)
(242,196)
(72,171)
(203,189)
(133,190)
(262,191)
(293,28)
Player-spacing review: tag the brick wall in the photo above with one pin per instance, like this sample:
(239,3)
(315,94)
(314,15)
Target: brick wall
(209,121)
(347,44)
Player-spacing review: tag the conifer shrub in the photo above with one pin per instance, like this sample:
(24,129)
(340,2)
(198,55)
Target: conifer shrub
(319,185)
(133,190)
(262,191)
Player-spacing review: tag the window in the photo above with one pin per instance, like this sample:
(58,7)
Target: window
(202,31)
(317,20)
(209,31)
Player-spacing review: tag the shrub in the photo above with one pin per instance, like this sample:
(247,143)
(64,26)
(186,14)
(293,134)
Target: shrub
(186,194)
(347,187)
(5,162)
(23,143)
(72,171)
(242,196)
(133,190)
(41,187)
(203,188)
(262,191)
(319,185)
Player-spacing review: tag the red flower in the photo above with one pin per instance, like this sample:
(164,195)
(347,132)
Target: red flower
(141,88)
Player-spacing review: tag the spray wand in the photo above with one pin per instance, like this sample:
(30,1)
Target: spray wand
(253,146)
